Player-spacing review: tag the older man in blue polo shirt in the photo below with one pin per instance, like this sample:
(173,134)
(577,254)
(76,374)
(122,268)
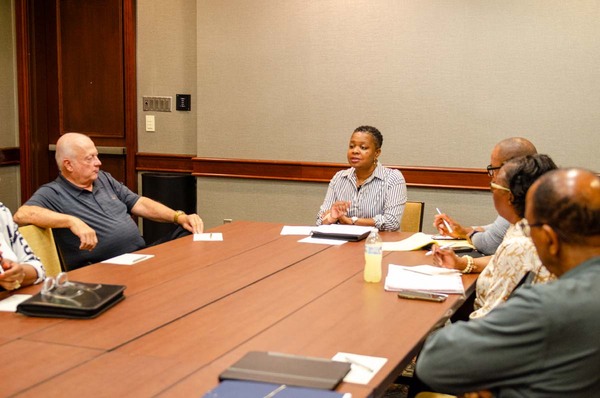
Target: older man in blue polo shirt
(90,211)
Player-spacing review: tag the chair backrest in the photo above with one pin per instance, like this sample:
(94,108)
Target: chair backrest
(42,243)
(412,218)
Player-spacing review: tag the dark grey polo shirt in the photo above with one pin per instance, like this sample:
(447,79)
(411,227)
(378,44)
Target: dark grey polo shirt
(106,210)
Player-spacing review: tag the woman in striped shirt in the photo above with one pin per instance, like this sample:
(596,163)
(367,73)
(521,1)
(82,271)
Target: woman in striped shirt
(366,194)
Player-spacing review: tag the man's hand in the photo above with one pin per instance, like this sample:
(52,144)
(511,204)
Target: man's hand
(86,235)
(191,222)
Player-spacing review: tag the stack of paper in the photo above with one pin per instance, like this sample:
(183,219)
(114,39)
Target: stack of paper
(425,278)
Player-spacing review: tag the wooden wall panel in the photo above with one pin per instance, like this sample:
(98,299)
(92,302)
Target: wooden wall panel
(432,177)
(91,77)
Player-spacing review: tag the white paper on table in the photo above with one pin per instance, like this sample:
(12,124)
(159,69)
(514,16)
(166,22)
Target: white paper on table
(295,230)
(399,278)
(208,236)
(128,259)
(362,368)
(335,242)
(429,269)
(9,304)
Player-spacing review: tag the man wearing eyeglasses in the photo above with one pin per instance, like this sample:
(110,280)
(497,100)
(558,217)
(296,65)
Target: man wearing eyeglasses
(487,238)
(543,342)
(89,211)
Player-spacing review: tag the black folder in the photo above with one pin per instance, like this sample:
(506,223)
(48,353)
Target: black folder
(83,301)
(349,233)
(287,369)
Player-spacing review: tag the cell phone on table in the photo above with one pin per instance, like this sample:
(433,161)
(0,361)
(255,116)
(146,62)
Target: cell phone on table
(421,295)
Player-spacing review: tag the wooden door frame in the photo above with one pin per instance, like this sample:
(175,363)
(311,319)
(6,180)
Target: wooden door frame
(24,70)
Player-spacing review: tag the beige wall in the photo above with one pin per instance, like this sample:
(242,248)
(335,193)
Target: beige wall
(166,66)
(9,134)
(443,81)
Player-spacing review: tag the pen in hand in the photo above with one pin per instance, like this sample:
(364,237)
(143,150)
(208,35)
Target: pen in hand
(448,246)
(445,222)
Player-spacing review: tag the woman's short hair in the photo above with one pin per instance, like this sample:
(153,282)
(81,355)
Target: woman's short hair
(521,173)
(377,136)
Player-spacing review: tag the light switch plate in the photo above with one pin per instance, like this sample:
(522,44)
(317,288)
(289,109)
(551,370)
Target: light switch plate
(150,126)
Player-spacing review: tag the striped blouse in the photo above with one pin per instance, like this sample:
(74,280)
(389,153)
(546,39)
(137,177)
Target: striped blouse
(382,196)
(14,247)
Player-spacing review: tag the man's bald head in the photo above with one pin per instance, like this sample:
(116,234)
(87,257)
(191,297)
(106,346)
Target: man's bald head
(569,201)
(77,159)
(68,145)
(511,148)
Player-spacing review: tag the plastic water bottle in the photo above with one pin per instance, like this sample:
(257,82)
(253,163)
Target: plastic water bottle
(373,256)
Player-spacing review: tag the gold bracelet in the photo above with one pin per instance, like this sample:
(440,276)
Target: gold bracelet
(176,216)
(470,265)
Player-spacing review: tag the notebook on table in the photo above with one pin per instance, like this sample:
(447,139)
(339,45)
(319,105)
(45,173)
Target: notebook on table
(291,370)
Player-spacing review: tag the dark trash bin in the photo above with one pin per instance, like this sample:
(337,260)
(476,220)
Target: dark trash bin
(177,191)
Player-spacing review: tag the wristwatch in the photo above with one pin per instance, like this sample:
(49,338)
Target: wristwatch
(176,216)
(354,220)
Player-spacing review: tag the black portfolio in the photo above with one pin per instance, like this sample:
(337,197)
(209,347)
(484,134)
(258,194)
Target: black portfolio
(287,369)
(79,300)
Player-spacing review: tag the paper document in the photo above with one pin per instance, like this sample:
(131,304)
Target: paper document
(128,259)
(419,240)
(400,278)
(208,236)
(294,230)
(429,270)
(320,241)
(10,303)
(363,367)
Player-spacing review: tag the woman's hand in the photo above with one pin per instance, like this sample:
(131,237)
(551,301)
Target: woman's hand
(13,275)
(446,258)
(339,209)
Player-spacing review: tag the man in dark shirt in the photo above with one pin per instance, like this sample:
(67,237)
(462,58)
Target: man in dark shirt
(89,211)
(543,341)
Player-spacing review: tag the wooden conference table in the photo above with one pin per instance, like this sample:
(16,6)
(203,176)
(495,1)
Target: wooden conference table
(197,307)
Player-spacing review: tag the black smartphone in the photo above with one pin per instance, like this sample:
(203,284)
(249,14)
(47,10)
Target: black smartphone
(420,295)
